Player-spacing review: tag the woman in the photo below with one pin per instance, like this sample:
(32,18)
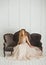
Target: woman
(24,50)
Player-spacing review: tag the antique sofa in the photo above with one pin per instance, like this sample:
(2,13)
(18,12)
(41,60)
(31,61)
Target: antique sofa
(11,40)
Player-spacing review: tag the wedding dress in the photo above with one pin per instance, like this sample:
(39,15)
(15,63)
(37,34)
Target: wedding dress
(24,51)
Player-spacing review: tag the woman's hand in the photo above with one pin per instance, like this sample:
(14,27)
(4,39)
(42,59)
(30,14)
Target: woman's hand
(28,41)
(31,46)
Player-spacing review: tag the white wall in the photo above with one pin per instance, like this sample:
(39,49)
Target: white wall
(3,15)
(3,21)
(43,27)
(28,14)
(19,14)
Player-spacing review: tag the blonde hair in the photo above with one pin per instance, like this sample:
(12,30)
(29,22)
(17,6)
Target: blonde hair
(21,36)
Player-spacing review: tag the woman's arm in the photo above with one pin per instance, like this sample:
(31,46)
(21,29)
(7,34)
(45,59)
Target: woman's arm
(27,40)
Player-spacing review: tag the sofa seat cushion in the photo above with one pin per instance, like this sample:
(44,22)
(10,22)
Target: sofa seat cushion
(8,48)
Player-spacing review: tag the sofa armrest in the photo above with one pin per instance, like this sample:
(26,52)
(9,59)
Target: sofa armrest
(4,46)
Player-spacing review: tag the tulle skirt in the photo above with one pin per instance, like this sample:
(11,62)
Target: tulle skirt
(24,51)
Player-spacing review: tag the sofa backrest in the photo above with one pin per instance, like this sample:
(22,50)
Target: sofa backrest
(36,40)
(8,39)
(16,37)
(36,37)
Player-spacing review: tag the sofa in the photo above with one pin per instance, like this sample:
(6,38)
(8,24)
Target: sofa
(11,40)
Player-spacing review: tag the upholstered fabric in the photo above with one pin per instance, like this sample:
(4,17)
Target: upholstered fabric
(36,40)
(8,38)
(36,37)
(16,37)
(9,49)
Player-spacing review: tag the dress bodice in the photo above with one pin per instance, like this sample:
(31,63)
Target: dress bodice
(24,40)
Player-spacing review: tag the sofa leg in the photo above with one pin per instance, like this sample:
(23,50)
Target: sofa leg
(4,49)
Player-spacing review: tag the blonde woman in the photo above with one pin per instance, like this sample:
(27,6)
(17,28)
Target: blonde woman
(23,37)
(24,50)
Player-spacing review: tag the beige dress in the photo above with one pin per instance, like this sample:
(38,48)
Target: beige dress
(24,51)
